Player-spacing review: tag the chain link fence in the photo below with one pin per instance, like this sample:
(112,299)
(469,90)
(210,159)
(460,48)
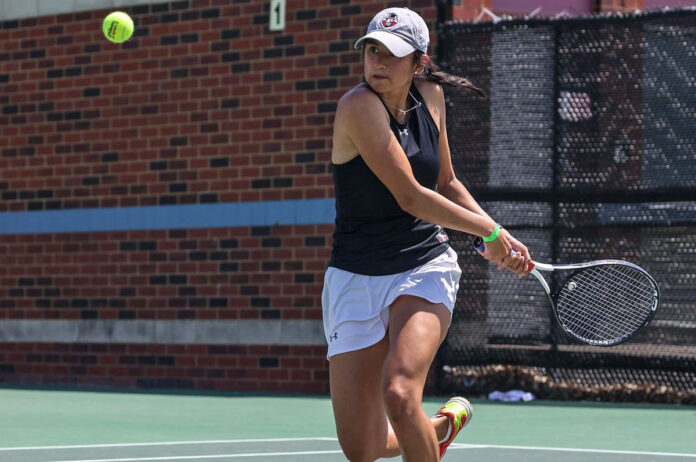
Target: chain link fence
(584,149)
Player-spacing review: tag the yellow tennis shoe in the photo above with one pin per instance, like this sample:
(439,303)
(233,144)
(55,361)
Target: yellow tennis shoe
(459,412)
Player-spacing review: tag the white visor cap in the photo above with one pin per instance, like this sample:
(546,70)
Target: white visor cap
(401,30)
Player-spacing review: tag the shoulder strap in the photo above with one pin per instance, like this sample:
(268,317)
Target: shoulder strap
(424,106)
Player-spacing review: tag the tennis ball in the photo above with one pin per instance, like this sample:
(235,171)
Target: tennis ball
(118,27)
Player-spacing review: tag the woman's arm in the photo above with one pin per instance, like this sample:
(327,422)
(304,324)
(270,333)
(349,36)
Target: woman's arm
(361,118)
(449,186)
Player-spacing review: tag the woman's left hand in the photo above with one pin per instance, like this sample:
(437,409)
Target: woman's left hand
(518,265)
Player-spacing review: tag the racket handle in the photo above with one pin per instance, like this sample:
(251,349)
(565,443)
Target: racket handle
(480,246)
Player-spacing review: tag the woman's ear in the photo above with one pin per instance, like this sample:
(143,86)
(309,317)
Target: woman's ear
(422,63)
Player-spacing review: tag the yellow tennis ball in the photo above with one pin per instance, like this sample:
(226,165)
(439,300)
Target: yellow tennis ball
(118,27)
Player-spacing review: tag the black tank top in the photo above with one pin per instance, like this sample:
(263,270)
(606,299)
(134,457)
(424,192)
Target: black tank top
(373,235)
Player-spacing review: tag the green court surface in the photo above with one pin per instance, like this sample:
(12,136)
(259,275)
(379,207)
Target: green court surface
(44,425)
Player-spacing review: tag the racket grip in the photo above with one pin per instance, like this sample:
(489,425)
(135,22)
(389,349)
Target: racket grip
(480,246)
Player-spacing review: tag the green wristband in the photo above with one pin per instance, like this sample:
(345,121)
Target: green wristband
(494,234)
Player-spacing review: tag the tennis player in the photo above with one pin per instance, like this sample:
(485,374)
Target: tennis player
(392,280)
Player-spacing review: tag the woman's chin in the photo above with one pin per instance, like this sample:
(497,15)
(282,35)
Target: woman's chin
(378,83)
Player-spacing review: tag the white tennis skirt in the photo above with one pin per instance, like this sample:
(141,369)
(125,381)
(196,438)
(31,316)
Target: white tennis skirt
(356,307)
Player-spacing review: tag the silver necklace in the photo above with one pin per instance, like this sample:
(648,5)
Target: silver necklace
(406,111)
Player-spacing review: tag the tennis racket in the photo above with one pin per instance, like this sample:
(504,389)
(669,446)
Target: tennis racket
(599,303)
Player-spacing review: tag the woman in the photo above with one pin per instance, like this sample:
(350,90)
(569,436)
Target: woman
(391,284)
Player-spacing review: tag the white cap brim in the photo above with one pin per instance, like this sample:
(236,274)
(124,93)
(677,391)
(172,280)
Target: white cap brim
(396,45)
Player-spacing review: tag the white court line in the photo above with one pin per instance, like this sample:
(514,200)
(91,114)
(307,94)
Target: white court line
(543,448)
(166,443)
(217,456)
(272,454)
(302,453)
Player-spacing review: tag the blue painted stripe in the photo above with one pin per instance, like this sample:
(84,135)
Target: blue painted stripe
(647,213)
(267,213)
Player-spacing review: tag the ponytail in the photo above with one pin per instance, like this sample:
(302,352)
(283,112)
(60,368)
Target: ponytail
(433,73)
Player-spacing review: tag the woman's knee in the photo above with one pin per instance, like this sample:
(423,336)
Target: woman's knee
(400,398)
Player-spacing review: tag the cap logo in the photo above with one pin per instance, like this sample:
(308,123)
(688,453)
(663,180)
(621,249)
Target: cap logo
(389,20)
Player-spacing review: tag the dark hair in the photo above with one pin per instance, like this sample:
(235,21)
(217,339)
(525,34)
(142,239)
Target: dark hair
(433,73)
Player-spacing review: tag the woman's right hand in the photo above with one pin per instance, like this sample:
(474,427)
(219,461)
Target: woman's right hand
(499,251)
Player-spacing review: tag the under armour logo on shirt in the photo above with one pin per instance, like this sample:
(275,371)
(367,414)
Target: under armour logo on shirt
(403,132)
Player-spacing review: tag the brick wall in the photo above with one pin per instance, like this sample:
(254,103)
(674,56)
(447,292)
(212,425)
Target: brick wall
(469,10)
(218,273)
(620,5)
(202,106)
(276,368)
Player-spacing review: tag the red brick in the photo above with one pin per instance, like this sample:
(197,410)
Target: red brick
(145,111)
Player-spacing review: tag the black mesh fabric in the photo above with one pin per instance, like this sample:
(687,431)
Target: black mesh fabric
(584,149)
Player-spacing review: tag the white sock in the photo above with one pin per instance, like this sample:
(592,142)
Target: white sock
(449,431)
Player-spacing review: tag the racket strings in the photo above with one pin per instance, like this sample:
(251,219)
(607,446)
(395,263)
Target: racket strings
(606,303)
(598,326)
(613,300)
(613,319)
(610,315)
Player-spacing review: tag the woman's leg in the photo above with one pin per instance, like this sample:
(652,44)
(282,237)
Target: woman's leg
(416,329)
(356,380)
